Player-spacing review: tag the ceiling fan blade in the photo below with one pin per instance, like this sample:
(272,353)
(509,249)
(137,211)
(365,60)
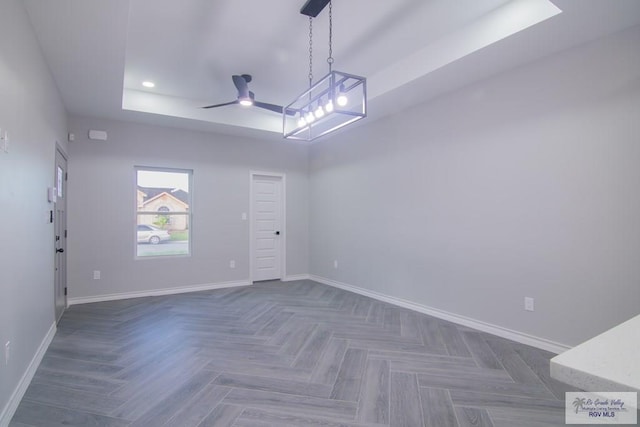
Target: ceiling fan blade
(222,105)
(241,84)
(272,107)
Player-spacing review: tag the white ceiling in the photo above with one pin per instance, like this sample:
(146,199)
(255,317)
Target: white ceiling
(410,51)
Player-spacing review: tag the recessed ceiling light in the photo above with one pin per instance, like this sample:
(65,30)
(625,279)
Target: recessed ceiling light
(148,84)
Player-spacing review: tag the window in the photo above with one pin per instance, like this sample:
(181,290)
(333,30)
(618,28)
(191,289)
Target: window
(163,212)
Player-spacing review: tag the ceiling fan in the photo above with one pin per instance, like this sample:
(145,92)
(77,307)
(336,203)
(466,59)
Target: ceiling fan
(247,98)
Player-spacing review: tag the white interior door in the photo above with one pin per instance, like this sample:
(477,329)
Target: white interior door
(60,244)
(267,201)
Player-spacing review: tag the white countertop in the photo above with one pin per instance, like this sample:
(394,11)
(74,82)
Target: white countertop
(608,362)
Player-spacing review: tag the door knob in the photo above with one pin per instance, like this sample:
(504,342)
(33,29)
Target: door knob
(277,233)
(60,250)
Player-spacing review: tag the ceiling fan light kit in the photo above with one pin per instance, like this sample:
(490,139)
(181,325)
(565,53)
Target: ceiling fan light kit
(336,100)
(246,98)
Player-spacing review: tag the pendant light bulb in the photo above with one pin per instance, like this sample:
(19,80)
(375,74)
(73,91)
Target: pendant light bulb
(310,117)
(319,111)
(342,99)
(328,106)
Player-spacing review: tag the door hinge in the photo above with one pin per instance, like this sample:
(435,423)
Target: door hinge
(66,176)
(65,291)
(65,234)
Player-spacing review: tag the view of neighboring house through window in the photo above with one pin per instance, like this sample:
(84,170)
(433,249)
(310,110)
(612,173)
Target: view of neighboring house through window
(163,212)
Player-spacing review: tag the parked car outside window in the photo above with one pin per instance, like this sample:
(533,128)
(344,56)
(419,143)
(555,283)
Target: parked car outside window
(151,234)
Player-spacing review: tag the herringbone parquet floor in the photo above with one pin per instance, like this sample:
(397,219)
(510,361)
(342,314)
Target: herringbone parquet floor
(282,354)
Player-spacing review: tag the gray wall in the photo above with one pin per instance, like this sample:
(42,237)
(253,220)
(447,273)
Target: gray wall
(102,202)
(523,185)
(31,110)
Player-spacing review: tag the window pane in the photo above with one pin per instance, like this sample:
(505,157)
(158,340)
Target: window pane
(163,212)
(158,189)
(162,234)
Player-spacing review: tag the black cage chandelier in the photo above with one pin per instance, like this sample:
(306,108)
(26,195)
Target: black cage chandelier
(334,101)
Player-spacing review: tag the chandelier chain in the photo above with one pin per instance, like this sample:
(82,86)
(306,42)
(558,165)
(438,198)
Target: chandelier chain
(310,51)
(330,57)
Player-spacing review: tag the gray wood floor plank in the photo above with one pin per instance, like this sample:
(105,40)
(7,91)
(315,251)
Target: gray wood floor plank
(463,372)
(376,313)
(98,370)
(374,398)
(391,319)
(484,386)
(409,327)
(443,366)
(362,307)
(326,370)
(153,374)
(252,417)
(232,365)
(73,399)
(222,416)
(274,324)
(166,408)
(453,341)
(142,397)
(473,417)
(508,417)
(41,415)
(77,381)
(296,340)
(481,351)
(295,354)
(405,404)
(437,408)
(259,310)
(512,362)
(381,344)
(347,385)
(312,350)
(428,358)
(300,405)
(348,303)
(274,384)
(538,361)
(488,400)
(431,335)
(197,409)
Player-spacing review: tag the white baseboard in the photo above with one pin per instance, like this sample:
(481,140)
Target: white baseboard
(296,277)
(11,406)
(157,292)
(500,331)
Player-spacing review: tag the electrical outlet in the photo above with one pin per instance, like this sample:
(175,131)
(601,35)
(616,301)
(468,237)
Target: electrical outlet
(7,352)
(96,274)
(335,264)
(232,264)
(528,304)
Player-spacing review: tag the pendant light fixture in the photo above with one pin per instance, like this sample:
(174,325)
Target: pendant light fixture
(334,101)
